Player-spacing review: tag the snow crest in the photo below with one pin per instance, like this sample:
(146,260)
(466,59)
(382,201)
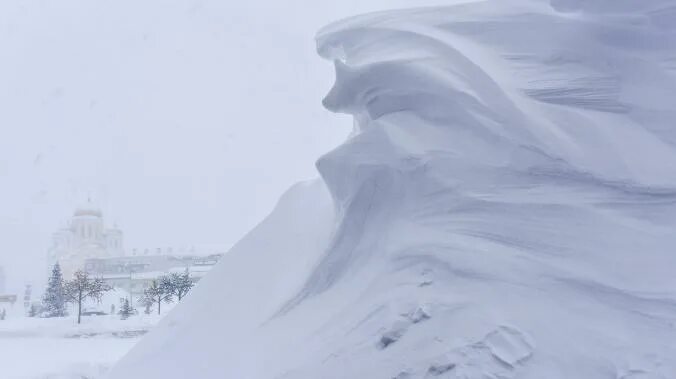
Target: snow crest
(505,208)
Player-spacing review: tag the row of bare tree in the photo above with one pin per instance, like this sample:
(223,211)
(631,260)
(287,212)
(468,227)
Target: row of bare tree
(59,292)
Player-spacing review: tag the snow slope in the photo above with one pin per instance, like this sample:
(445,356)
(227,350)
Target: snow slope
(505,208)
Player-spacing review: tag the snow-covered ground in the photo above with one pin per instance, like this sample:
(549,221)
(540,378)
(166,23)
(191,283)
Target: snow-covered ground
(58,348)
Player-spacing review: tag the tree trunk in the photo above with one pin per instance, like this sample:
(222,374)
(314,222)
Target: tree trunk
(79,307)
(159,304)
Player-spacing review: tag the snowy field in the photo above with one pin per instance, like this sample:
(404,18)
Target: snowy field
(58,348)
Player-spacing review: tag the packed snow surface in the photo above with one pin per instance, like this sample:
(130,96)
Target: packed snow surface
(505,208)
(59,348)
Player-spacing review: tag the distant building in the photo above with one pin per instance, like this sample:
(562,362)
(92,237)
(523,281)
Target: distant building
(86,244)
(5,298)
(135,273)
(84,238)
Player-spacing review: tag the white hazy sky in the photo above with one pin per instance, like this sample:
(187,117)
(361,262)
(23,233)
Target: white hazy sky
(185,120)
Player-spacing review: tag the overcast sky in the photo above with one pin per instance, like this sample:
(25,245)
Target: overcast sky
(184,120)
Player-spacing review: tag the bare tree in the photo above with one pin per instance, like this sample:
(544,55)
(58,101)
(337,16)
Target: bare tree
(156,294)
(177,284)
(82,287)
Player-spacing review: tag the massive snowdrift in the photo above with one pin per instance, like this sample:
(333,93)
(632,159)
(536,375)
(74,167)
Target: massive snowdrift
(505,208)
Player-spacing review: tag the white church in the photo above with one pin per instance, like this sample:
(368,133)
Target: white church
(85,237)
(87,244)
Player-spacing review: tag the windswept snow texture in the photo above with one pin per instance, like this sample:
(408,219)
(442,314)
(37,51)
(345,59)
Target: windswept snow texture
(505,208)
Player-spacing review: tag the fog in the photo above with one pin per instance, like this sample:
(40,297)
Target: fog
(182,120)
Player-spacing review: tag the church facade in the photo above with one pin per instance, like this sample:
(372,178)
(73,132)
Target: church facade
(85,237)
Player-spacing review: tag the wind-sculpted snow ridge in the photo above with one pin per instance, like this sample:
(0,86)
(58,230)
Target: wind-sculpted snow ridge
(505,208)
